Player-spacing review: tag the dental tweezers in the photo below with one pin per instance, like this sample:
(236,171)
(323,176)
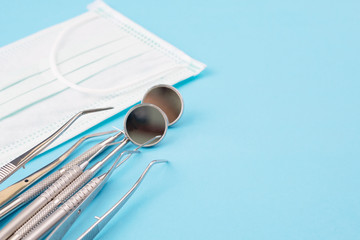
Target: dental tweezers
(10,168)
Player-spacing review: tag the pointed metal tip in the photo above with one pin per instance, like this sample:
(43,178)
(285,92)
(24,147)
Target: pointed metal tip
(158,161)
(148,142)
(129,153)
(115,143)
(96,110)
(118,129)
(99,134)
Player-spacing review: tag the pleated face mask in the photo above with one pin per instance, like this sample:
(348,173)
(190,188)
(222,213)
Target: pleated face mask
(98,59)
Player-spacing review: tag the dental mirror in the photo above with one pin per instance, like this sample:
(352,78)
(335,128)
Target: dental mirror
(144,122)
(168,99)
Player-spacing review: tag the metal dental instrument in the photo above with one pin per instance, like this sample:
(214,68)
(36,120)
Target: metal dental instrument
(91,232)
(164,96)
(168,99)
(63,192)
(37,189)
(77,203)
(8,169)
(37,205)
(142,123)
(11,191)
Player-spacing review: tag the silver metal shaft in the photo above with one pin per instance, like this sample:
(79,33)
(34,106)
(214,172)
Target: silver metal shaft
(41,201)
(91,232)
(37,189)
(10,168)
(65,194)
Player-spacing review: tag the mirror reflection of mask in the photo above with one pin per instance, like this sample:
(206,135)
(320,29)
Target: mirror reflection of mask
(101,49)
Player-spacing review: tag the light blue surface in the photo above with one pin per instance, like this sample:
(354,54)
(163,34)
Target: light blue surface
(268,146)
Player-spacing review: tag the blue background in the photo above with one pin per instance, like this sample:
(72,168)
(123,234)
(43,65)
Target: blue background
(268,145)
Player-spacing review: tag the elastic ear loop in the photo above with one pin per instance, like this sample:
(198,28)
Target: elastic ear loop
(55,70)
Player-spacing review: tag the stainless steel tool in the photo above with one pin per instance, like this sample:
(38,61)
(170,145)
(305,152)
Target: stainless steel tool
(18,187)
(168,99)
(139,127)
(101,222)
(90,190)
(35,214)
(143,122)
(40,203)
(37,189)
(10,168)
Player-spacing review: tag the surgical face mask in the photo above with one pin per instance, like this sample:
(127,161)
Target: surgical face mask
(97,59)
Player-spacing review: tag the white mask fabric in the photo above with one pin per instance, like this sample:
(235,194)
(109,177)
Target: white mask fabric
(100,49)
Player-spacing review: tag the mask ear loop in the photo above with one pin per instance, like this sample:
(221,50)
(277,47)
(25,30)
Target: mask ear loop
(55,70)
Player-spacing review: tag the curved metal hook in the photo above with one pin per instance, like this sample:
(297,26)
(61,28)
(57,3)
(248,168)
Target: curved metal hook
(91,232)
(136,150)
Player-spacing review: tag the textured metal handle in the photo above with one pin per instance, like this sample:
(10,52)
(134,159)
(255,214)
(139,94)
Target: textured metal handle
(37,189)
(69,176)
(83,193)
(35,220)
(73,202)
(74,186)
(85,156)
(30,194)
(46,211)
(6,171)
(30,210)
(36,210)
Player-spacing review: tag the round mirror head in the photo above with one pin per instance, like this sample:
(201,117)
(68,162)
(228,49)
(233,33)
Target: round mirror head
(144,122)
(168,99)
